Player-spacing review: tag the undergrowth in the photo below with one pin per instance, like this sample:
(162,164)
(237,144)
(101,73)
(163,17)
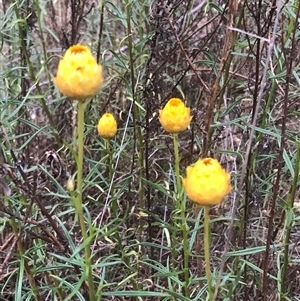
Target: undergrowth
(235,63)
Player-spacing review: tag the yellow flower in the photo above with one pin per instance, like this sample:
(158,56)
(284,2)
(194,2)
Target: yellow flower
(206,182)
(78,75)
(107,126)
(175,117)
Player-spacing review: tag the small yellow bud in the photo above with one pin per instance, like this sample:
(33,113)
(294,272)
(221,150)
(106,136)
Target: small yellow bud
(107,126)
(78,75)
(175,117)
(206,182)
(143,214)
(70,185)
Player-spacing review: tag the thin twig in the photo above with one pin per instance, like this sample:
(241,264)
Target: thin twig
(193,67)
(249,147)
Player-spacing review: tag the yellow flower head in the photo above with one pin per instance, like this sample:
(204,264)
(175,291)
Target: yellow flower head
(206,182)
(175,117)
(107,126)
(78,74)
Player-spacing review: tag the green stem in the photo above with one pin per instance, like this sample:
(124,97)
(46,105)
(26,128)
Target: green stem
(290,217)
(110,160)
(207,250)
(115,208)
(24,257)
(109,151)
(78,201)
(180,207)
(186,251)
(177,161)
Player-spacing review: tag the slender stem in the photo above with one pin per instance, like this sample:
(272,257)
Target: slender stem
(290,217)
(25,52)
(177,160)
(110,159)
(78,201)
(136,115)
(174,252)
(180,207)
(186,251)
(109,151)
(114,200)
(25,258)
(207,250)
(80,127)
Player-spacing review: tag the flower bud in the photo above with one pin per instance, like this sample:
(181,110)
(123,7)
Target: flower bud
(206,182)
(107,126)
(70,185)
(175,117)
(78,75)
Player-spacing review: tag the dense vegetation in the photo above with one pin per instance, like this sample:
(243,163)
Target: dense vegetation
(236,66)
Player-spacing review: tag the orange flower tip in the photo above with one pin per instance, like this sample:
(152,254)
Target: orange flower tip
(175,117)
(206,182)
(107,126)
(78,74)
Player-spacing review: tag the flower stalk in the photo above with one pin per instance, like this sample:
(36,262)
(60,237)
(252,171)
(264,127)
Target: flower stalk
(207,250)
(79,205)
(107,128)
(175,117)
(79,76)
(206,184)
(180,204)
(177,161)
(109,151)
